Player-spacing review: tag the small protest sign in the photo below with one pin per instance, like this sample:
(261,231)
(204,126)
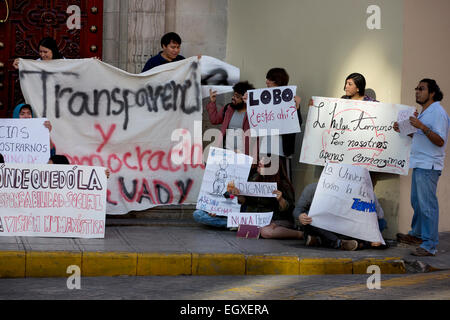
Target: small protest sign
(259,219)
(24,141)
(223,168)
(257,189)
(272,109)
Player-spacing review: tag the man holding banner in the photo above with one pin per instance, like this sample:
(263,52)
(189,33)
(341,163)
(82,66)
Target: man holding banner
(427,162)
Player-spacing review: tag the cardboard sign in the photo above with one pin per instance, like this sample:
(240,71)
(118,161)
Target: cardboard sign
(355,132)
(257,189)
(52,201)
(344,202)
(223,168)
(272,109)
(24,141)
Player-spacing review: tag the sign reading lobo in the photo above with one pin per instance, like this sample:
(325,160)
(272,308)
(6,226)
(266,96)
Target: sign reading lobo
(52,201)
(355,132)
(344,202)
(272,109)
(104,116)
(24,141)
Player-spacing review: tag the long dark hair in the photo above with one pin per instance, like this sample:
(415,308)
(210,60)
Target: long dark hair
(359,81)
(434,88)
(51,44)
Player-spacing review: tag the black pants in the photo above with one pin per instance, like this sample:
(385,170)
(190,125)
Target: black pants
(331,239)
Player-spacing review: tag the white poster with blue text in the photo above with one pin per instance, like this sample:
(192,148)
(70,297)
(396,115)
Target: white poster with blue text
(344,202)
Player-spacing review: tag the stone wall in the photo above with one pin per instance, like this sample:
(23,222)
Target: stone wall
(133,29)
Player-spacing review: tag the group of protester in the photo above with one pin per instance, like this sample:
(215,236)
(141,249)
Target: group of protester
(290,218)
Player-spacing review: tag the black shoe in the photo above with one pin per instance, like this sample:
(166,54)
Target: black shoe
(408,239)
(421,252)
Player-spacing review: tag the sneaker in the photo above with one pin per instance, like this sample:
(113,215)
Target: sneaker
(421,252)
(349,245)
(312,241)
(408,239)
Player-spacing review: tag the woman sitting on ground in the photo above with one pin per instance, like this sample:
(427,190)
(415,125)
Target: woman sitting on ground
(282,225)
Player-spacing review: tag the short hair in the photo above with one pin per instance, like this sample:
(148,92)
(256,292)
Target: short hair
(279,76)
(51,44)
(359,81)
(169,37)
(434,88)
(2,160)
(59,159)
(242,87)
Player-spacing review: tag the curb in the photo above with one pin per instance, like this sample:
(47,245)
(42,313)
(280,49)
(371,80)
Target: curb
(48,264)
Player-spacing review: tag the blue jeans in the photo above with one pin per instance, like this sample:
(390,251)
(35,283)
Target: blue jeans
(204,218)
(425,222)
(382,224)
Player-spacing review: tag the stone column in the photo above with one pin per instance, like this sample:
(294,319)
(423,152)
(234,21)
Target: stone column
(146,21)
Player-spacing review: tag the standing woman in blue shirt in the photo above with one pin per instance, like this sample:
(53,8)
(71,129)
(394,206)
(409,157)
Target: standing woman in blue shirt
(427,162)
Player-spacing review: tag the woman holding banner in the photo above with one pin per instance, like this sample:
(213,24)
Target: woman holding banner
(48,50)
(355,88)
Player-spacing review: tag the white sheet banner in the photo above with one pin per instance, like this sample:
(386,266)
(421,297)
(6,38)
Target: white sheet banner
(355,132)
(146,128)
(52,201)
(261,219)
(218,76)
(24,141)
(272,109)
(344,202)
(223,169)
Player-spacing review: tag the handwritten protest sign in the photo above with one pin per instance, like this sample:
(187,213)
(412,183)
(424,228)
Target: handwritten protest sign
(344,202)
(24,141)
(104,116)
(262,219)
(272,109)
(223,168)
(256,189)
(52,201)
(355,132)
(404,123)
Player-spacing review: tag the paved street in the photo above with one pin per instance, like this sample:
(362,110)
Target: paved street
(428,286)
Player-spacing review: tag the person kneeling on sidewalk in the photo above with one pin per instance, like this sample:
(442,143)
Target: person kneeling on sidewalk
(319,237)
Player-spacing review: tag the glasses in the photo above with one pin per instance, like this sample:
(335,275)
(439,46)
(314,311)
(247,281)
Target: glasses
(237,95)
(420,89)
